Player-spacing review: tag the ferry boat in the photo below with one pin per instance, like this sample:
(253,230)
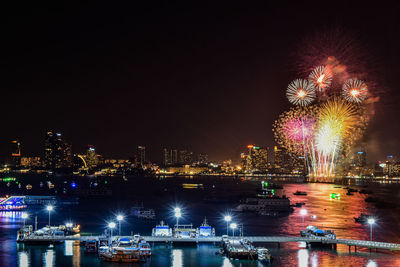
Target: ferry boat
(312,231)
(265,203)
(239,249)
(144,248)
(300,193)
(205,230)
(185,231)
(125,250)
(162,230)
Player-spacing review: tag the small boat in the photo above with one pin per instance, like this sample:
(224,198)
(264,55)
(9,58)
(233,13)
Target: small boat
(300,193)
(205,230)
(352,190)
(144,248)
(162,230)
(349,193)
(125,251)
(264,255)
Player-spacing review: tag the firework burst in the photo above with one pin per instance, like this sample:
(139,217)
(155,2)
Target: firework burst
(321,77)
(300,92)
(355,90)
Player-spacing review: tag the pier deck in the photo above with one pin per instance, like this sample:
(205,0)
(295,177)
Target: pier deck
(217,239)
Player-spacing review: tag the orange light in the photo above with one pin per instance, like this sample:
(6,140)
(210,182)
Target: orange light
(319,80)
(301,93)
(250,146)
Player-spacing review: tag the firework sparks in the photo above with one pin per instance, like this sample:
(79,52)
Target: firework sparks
(300,92)
(321,77)
(354,90)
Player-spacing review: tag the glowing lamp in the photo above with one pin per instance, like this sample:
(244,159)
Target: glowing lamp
(303,212)
(228,218)
(371,221)
(120,217)
(111,225)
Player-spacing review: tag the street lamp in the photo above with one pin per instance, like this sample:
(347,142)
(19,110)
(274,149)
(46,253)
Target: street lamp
(178,214)
(69,225)
(371,221)
(49,209)
(303,212)
(24,216)
(227,218)
(233,226)
(120,218)
(111,225)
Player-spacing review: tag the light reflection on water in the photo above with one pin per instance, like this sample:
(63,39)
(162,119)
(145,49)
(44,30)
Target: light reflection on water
(331,214)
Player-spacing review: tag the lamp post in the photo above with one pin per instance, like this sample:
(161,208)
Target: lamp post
(233,226)
(178,214)
(371,221)
(227,218)
(111,225)
(24,216)
(303,212)
(49,209)
(119,218)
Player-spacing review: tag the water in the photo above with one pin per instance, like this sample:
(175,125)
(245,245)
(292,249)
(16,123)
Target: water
(164,194)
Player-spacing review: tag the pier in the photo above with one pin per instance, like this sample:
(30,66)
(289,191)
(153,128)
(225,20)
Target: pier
(218,239)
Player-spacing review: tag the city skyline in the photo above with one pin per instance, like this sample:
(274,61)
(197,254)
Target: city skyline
(118,79)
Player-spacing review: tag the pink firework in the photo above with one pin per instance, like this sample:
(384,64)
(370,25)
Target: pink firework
(299,129)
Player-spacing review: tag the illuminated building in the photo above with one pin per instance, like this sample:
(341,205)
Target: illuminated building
(256,160)
(57,153)
(361,159)
(167,157)
(30,162)
(16,152)
(185,157)
(174,156)
(142,155)
(202,159)
(278,157)
(91,157)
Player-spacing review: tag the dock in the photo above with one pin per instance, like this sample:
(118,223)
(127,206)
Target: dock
(218,239)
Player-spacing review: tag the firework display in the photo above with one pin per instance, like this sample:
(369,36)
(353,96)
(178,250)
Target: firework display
(321,77)
(354,90)
(322,128)
(300,92)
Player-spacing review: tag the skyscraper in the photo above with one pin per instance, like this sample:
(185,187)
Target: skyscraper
(259,158)
(57,152)
(167,157)
(16,152)
(278,157)
(142,154)
(91,157)
(361,158)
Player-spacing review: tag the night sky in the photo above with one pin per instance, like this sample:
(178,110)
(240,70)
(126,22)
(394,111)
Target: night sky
(206,77)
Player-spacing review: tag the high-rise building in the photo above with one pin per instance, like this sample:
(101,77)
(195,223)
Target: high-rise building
(278,157)
(259,158)
(91,157)
(57,153)
(30,162)
(174,157)
(202,158)
(167,157)
(361,159)
(185,157)
(142,155)
(16,152)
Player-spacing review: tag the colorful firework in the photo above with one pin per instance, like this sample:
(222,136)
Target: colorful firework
(355,90)
(300,92)
(321,77)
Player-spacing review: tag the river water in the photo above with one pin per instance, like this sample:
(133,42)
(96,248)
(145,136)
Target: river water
(164,194)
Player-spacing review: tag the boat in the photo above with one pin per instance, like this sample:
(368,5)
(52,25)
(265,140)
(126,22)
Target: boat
(12,203)
(239,249)
(349,193)
(300,193)
(312,231)
(162,230)
(143,213)
(264,255)
(205,230)
(124,251)
(265,202)
(352,190)
(334,196)
(144,248)
(91,246)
